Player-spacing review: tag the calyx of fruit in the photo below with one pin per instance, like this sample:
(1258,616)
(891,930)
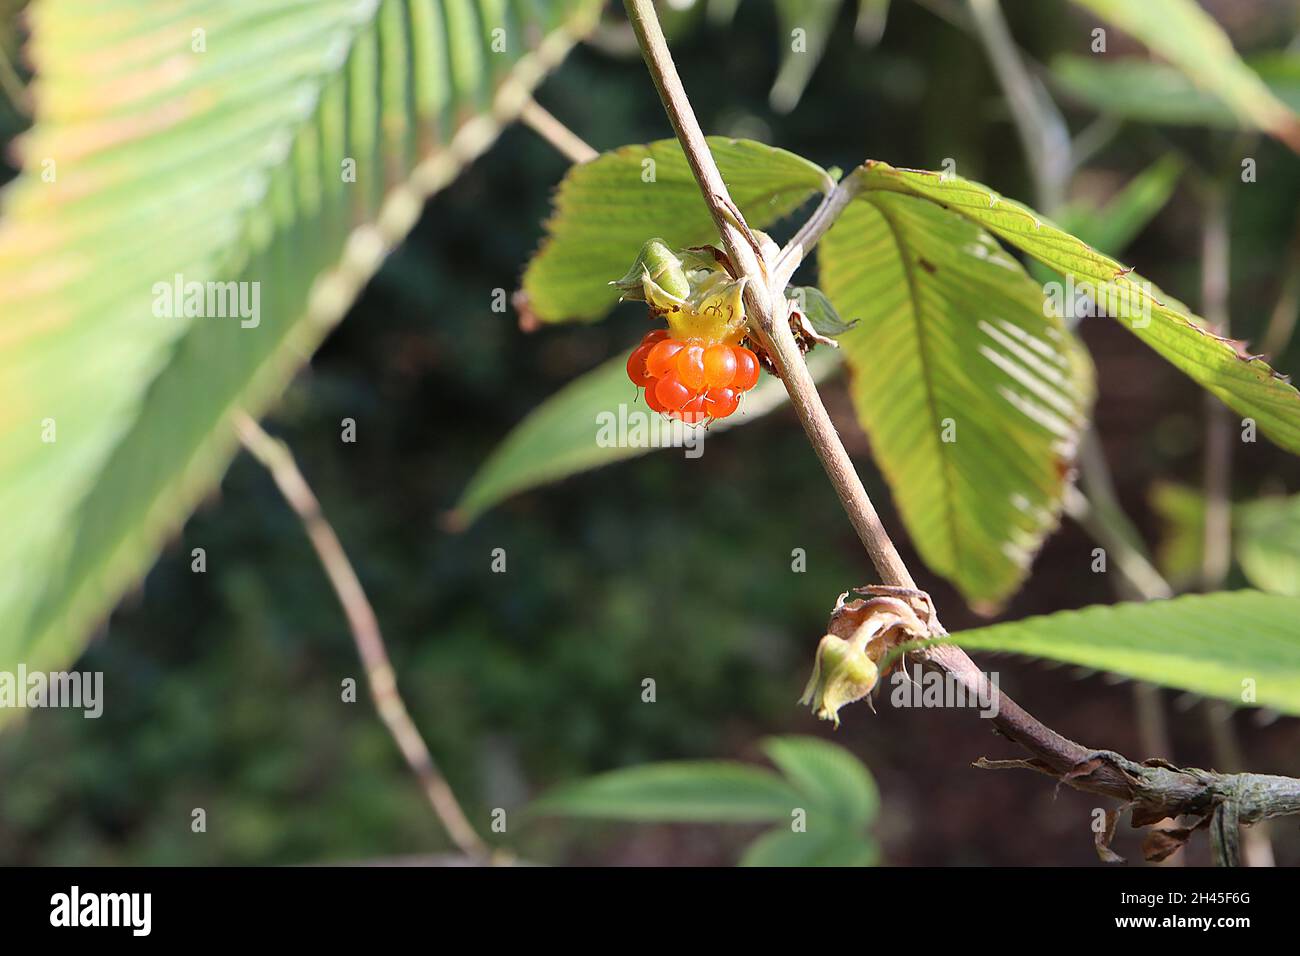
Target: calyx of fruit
(691,289)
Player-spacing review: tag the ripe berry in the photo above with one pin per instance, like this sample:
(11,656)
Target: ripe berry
(721,402)
(719,365)
(636,365)
(690,367)
(660,360)
(652,400)
(693,379)
(746,370)
(694,411)
(672,394)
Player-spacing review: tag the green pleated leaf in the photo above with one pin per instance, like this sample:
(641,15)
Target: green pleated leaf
(216,142)
(835,782)
(606,209)
(1217,645)
(784,847)
(1151,92)
(596,420)
(972,396)
(1246,384)
(693,791)
(1189,38)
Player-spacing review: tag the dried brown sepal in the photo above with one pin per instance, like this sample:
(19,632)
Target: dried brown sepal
(859,635)
(804,336)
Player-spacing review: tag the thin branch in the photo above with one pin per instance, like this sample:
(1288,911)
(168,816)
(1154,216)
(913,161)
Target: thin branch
(734,233)
(1216,551)
(1216,554)
(796,250)
(569,143)
(1282,321)
(1092,139)
(1100,514)
(1161,790)
(1140,579)
(278,460)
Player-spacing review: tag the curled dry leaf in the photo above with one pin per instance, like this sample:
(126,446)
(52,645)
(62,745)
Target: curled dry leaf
(1161,844)
(1102,839)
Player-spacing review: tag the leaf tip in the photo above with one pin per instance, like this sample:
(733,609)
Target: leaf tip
(455,521)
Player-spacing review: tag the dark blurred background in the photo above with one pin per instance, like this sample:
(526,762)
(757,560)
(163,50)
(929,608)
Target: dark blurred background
(225,686)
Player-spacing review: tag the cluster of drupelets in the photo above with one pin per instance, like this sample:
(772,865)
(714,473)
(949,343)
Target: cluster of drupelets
(692,380)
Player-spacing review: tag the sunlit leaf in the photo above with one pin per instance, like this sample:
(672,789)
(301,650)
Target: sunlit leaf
(1216,645)
(1151,92)
(214,142)
(1243,382)
(607,208)
(973,398)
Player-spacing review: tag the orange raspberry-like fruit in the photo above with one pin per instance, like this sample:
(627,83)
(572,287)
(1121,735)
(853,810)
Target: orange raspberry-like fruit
(694,380)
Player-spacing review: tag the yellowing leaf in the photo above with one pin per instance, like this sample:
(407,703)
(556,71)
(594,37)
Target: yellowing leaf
(1245,383)
(972,396)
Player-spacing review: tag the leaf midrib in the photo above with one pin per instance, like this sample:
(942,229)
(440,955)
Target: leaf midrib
(923,355)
